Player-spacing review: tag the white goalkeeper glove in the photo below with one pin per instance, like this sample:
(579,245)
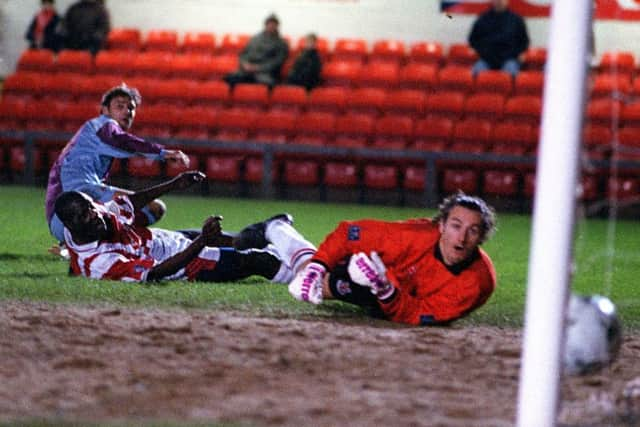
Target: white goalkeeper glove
(307,285)
(370,271)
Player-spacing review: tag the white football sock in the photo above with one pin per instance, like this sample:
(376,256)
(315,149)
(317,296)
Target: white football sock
(284,274)
(293,249)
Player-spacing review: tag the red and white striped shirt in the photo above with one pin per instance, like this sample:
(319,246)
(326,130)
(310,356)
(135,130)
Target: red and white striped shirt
(132,251)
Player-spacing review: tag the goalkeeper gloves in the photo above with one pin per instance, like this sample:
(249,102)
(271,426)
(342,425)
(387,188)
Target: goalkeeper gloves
(370,271)
(307,285)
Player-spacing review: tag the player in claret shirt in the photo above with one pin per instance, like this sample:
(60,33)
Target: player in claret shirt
(419,271)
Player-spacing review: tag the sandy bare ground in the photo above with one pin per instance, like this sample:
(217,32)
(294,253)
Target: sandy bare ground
(105,364)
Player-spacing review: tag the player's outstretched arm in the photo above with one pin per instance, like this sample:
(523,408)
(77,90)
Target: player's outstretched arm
(210,230)
(180,182)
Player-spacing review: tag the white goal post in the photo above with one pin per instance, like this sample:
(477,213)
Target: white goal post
(550,258)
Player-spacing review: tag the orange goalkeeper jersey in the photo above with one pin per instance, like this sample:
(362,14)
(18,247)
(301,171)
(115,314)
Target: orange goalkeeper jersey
(427,291)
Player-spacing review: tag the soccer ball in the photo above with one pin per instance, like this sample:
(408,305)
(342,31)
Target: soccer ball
(592,336)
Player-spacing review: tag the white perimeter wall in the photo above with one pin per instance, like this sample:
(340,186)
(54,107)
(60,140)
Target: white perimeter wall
(407,20)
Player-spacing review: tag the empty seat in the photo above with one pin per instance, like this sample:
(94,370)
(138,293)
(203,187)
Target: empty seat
(485,105)
(40,60)
(193,65)
(18,159)
(427,52)
(597,140)
(174,168)
(406,101)
(529,83)
(414,178)
(221,65)
(213,93)
(623,188)
(153,64)
(232,44)
(114,62)
(629,143)
(456,77)
(124,39)
(366,100)
(384,75)
(23,85)
(447,103)
(74,61)
(432,134)
(630,115)
(622,62)
(196,123)
(275,126)
(174,91)
(226,168)
(454,180)
(338,72)
(471,135)
(604,111)
(418,76)
(350,49)
(610,85)
(340,174)
(301,172)
(392,132)
(143,167)
(235,124)
(157,120)
(288,98)
(201,42)
(535,58)
(381,177)
(388,51)
(315,128)
(527,108)
(504,183)
(512,138)
(249,95)
(461,54)
(353,130)
(332,99)
(161,40)
(494,81)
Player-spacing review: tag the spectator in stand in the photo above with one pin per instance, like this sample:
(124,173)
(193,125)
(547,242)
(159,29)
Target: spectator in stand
(307,67)
(262,58)
(85,161)
(500,38)
(86,26)
(43,30)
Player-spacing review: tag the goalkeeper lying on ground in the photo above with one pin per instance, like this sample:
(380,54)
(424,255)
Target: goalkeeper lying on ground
(419,271)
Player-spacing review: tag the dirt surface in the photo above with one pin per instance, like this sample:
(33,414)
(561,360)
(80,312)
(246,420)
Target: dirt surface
(81,363)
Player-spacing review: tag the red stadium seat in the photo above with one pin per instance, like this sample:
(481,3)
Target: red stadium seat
(74,61)
(611,85)
(156,64)
(630,115)
(301,172)
(385,75)
(465,180)
(288,98)
(23,86)
(196,123)
(353,130)
(494,81)
(500,183)
(597,140)
(350,49)
(224,168)
(445,103)
(40,60)
(461,54)
(18,160)
(485,105)
(418,76)
(381,177)
(338,72)
(392,132)
(529,82)
(629,143)
(388,51)
(512,138)
(406,101)
(527,108)
(174,169)
(157,120)
(623,62)
(471,135)
(199,42)
(232,44)
(114,62)
(589,188)
(275,127)
(235,124)
(249,95)
(315,128)
(331,99)
(604,111)
(427,52)
(124,39)
(456,77)
(623,188)
(340,174)
(535,58)
(414,178)
(254,170)
(143,167)
(213,93)
(58,86)
(366,100)
(12,114)
(161,40)
(432,134)
(221,65)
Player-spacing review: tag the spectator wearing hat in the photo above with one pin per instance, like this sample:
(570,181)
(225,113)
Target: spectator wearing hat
(262,58)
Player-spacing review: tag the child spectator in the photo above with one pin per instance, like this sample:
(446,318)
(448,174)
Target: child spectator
(307,67)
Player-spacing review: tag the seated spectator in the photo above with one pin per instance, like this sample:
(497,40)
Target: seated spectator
(307,66)
(262,58)
(500,38)
(86,26)
(43,30)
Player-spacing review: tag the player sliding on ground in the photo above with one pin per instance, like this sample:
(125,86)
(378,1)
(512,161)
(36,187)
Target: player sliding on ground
(419,271)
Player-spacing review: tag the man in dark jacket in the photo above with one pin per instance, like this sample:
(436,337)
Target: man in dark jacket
(262,58)
(43,30)
(499,36)
(86,26)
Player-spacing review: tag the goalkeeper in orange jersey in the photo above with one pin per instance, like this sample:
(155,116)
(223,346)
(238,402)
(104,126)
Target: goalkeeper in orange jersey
(420,271)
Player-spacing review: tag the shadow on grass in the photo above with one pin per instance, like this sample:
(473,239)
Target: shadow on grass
(6,256)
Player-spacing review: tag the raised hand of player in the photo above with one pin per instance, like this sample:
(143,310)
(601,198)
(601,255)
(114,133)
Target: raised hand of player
(307,285)
(187,179)
(211,230)
(370,271)
(177,156)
